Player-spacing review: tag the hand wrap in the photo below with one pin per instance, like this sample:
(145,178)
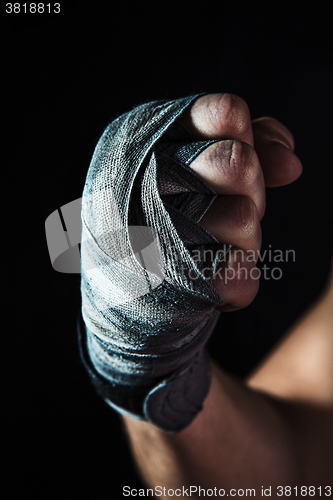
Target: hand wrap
(147,300)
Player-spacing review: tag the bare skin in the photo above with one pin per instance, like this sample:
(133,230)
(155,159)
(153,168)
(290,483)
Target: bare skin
(275,428)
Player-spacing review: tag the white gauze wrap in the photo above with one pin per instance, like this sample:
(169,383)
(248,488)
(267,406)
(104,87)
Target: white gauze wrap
(147,300)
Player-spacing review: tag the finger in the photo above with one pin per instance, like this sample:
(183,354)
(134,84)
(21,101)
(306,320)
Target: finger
(232,167)
(274,145)
(219,116)
(237,280)
(235,220)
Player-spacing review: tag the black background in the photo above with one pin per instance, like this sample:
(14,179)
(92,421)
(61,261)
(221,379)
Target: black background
(66,77)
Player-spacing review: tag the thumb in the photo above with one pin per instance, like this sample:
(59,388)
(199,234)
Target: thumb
(274,145)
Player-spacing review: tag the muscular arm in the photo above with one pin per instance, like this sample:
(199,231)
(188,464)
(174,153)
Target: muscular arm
(245,438)
(239,440)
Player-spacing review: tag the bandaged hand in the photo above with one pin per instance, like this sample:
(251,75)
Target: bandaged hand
(172,205)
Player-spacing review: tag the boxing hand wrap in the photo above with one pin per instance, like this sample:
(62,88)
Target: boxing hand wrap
(147,265)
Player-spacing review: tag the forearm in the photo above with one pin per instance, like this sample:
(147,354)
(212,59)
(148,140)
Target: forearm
(244,438)
(300,368)
(239,440)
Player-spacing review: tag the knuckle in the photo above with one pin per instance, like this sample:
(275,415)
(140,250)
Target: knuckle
(238,282)
(244,284)
(249,286)
(237,160)
(247,219)
(244,163)
(231,110)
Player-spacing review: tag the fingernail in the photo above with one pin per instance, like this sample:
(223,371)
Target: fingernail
(282,140)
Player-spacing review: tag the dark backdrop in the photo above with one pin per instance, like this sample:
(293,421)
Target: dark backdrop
(66,77)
